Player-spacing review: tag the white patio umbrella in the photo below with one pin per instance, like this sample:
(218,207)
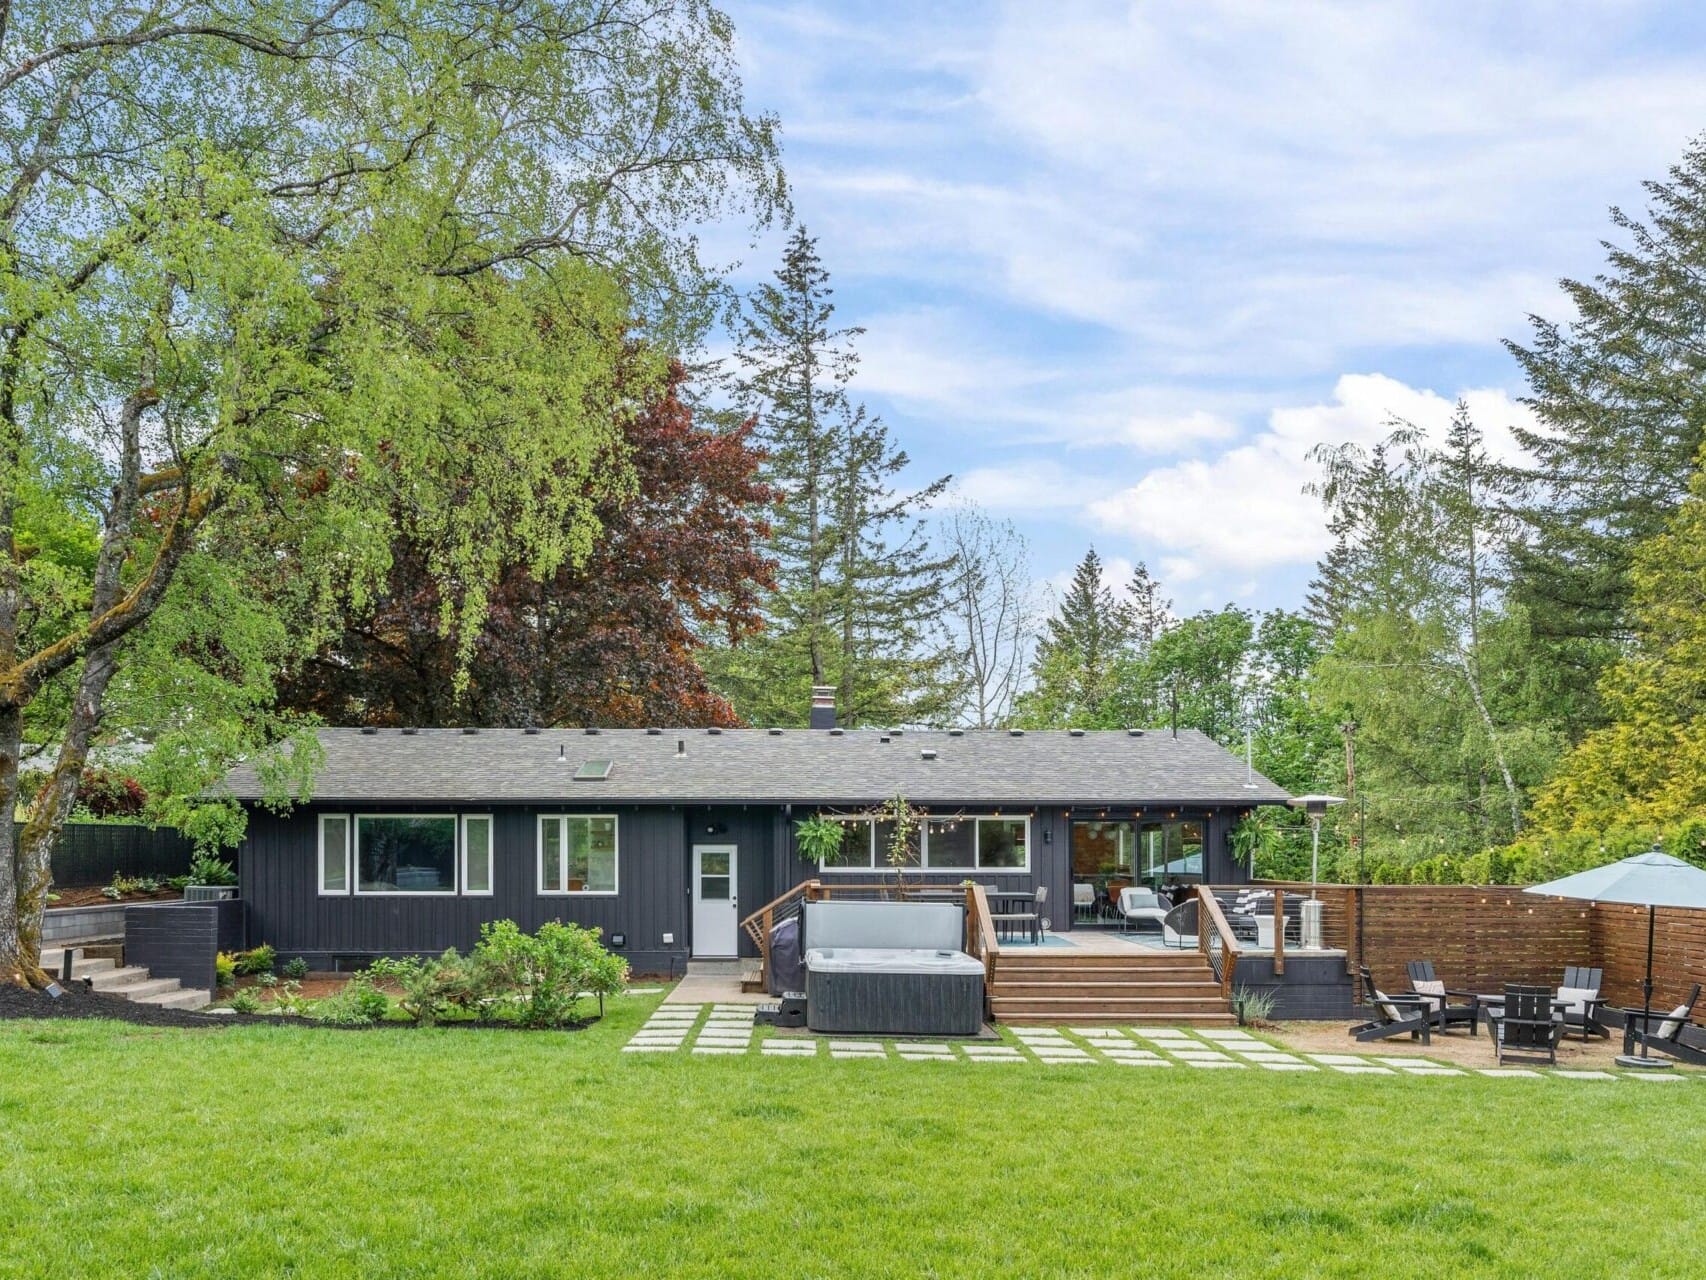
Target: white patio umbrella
(1651,880)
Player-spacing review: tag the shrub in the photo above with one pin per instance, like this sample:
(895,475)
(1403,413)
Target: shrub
(106,794)
(267,979)
(358,1004)
(224,969)
(207,869)
(1251,1006)
(545,974)
(257,960)
(296,967)
(123,884)
(437,985)
(246,1002)
(289,1000)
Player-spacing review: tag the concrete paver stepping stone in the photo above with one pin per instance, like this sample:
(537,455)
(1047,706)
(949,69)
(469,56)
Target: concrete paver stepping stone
(907,1046)
(1584,1075)
(1657,1077)
(716,1048)
(991,1051)
(650,1048)
(990,1057)
(1099,1033)
(1406,1062)
(1508,1073)
(1432,1071)
(1228,1037)
(1140,1062)
(1225,1062)
(1200,1055)
(1338,1059)
(1293,1065)
(1064,1054)
(909,1056)
(1162,1033)
(1367,1069)
(1112,1052)
(795,1048)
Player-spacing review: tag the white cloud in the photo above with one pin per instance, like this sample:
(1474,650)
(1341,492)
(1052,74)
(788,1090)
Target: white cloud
(1025,488)
(1244,510)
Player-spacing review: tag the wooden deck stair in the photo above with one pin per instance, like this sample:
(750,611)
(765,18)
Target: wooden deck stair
(1173,988)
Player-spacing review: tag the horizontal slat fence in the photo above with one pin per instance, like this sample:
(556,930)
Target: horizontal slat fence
(1483,936)
(1620,948)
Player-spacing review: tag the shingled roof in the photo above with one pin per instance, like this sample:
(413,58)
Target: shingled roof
(760,766)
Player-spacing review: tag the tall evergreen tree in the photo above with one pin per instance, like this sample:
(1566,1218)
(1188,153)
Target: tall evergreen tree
(1621,394)
(856,584)
(1079,655)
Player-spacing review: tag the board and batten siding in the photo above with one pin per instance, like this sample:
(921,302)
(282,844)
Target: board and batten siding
(279,882)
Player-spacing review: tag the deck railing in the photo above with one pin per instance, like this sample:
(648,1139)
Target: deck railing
(1215,940)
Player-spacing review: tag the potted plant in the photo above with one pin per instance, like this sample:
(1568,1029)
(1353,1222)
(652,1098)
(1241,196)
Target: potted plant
(211,879)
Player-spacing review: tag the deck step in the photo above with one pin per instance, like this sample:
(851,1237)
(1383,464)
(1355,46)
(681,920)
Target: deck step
(1083,1018)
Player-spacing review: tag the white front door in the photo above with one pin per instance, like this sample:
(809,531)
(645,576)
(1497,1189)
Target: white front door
(716,906)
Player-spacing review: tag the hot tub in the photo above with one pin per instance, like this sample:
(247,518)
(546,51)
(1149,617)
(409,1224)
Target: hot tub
(893,991)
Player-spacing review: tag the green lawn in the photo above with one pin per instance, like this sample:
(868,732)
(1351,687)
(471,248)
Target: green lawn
(264,1151)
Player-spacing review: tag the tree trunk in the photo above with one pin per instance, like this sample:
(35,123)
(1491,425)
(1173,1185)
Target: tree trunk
(18,955)
(1469,678)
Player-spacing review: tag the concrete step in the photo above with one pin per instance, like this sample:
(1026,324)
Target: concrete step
(146,987)
(182,998)
(80,967)
(109,978)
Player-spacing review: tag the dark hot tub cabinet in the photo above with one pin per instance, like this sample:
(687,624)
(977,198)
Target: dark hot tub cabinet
(890,968)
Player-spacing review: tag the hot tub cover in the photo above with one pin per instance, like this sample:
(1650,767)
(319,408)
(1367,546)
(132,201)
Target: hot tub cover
(890,960)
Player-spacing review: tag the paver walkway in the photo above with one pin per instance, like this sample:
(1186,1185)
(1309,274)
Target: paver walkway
(726,1029)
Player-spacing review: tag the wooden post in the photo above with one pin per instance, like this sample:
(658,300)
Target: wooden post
(1279,931)
(1352,959)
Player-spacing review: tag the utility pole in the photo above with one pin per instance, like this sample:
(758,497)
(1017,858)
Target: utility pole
(1349,729)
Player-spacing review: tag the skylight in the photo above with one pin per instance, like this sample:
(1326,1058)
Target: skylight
(593,771)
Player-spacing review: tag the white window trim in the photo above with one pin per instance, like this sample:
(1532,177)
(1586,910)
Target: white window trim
(861,868)
(563,852)
(491,856)
(320,855)
(455,891)
(881,866)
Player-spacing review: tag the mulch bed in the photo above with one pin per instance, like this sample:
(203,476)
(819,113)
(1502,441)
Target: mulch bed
(79,1002)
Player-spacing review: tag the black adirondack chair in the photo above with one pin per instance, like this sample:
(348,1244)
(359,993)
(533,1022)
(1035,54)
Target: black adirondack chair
(1526,1028)
(1424,982)
(1582,983)
(1394,1015)
(1664,1033)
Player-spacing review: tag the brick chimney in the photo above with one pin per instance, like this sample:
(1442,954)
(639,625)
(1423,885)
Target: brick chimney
(823,706)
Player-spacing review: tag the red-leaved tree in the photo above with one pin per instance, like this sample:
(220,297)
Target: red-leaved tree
(611,642)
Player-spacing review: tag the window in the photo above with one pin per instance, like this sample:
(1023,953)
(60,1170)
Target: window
(334,853)
(405,853)
(477,854)
(1003,843)
(948,844)
(577,854)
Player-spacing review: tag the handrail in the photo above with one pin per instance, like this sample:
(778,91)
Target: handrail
(759,924)
(981,940)
(1279,931)
(1229,949)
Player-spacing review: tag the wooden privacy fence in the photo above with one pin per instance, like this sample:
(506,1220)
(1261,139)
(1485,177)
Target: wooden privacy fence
(1483,936)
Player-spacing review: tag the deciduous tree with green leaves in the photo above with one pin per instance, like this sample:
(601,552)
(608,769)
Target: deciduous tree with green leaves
(268,270)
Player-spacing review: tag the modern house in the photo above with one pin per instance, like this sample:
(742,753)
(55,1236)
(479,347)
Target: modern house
(666,838)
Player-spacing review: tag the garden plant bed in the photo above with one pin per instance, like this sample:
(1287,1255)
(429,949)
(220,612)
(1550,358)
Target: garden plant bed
(95,896)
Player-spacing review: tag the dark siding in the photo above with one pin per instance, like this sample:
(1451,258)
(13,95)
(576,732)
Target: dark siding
(752,830)
(279,882)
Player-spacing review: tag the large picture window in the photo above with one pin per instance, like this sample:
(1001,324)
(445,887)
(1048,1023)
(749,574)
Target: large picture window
(405,853)
(961,843)
(577,853)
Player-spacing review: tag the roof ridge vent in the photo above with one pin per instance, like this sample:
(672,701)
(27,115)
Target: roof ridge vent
(1015,733)
(409,732)
(590,731)
(1075,733)
(367,731)
(469,728)
(774,733)
(956,733)
(531,730)
(928,753)
(654,733)
(837,732)
(1134,733)
(714,731)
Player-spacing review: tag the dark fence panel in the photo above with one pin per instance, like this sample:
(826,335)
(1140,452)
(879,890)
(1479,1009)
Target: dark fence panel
(174,941)
(90,853)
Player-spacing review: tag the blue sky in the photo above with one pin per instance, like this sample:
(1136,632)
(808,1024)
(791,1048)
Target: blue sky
(1120,266)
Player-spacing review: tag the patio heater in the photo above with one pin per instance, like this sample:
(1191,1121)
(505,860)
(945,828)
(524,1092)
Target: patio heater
(1314,808)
